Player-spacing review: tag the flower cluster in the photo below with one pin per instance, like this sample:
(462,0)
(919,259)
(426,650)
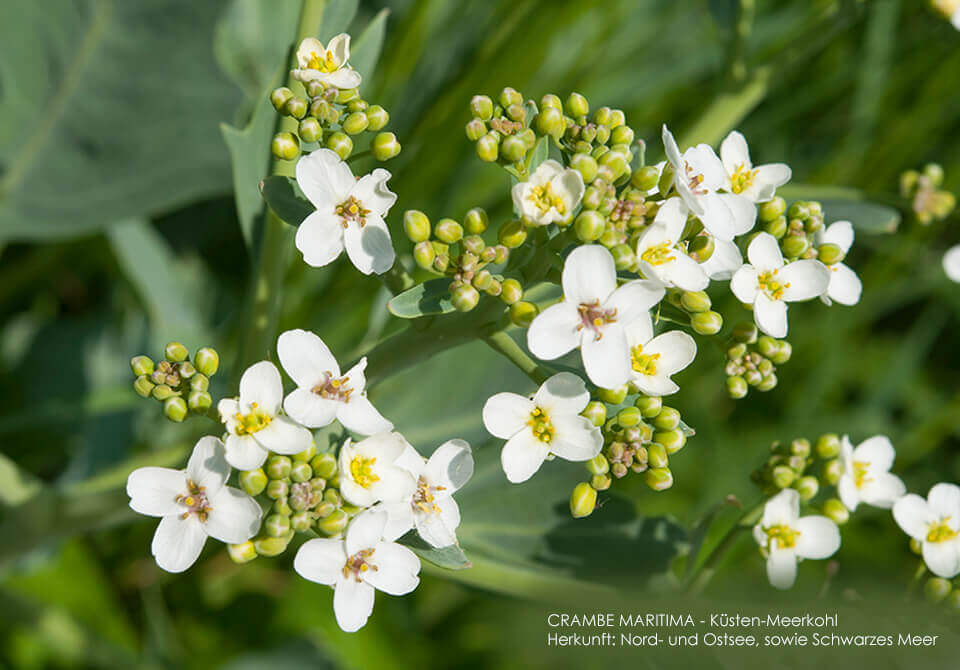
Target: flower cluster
(930,203)
(181,384)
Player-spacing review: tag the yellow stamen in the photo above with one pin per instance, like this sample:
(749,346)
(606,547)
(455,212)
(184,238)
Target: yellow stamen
(939,531)
(645,364)
(325,62)
(541,425)
(253,421)
(742,178)
(543,197)
(352,210)
(860,471)
(784,536)
(769,284)
(659,254)
(361,468)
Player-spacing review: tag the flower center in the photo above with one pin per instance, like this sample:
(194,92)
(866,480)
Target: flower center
(324,62)
(592,316)
(195,500)
(333,388)
(742,178)
(423,498)
(659,254)
(939,531)
(504,126)
(645,364)
(358,564)
(784,536)
(860,472)
(695,181)
(361,468)
(253,421)
(352,210)
(544,197)
(541,425)
(769,284)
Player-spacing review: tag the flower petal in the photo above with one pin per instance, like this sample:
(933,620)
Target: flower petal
(658,385)
(781,509)
(395,484)
(283,436)
(178,542)
(553,331)
(685,273)
(439,528)
(208,465)
(845,286)
(397,569)
(563,393)
(772,174)
(734,152)
(450,466)
(370,248)
(803,280)
(782,568)
(575,438)
(153,491)
(771,315)
(704,161)
(372,191)
(399,519)
(339,46)
(261,384)
(819,537)
(745,284)
(743,210)
(913,515)
(839,233)
(882,490)
(878,451)
(320,238)
(344,78)
(607,359)
(506,414)
(634,299)
(522,456)
(360,416)
(671,148)
(306,358)
(588,275)
(321,560)
(639,331)
(234,516)
(951,259)
(352,603)
(942,558)
(676,348)
(848,491)
(725,260)
(944,500)
(307,48)
(764,253)
(670,220)
(324,178)
(244,453)
(309,409)
(365,531)
(716,217)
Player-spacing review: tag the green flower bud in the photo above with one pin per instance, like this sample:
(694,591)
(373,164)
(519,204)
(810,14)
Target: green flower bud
(512,234)
(141,366)
(522,313)
(658,479)
(385,146)
(253,481)
(807,487)
(830,254)
(175,409)
(952,602)
(143,386)
(279,97)
(649,406)
(576,105)
(355,123)
(934,173)
(772,209)
(701,248)
(777,227)
(464,297)
(474,244)
(162,392)
(345,95)
(767,346)
(828,446)
(416,226)
(603,116)
(622,135)
(482,280)
(377,118)
(206,361)
(516,113)
(936,589)
(282,506)
(510,96)
(596,412)
(475,129)
(277,488)
(794,246)
(768,383)
(667,419)
(672,440)
(476,221)
(242,553)
(276,525)
(301,472)
(736,352)
(424,255)
(272,546)
(310,130)
(916,546)
(586,165)
(836,511)
(598,465)
(513,149)
(296,107)
(175,352)
(550,122)
(783,476)
(623,257)
(706,323)
(441,263)
(551,100)
(481,107)
(745,332)
(629,417)
(600,482)
(186,370)
(613,396)
(657,455)
(695,301)
(583,500)
(200,382)
(199,401)
(589,225)
(278,467)
(301,522)
(800,447)
(737,387)
(334,524)
(340,143)
(511,291)
(611,166)
(448,231)
(783,353)
(488,148)
(832,472)
(285,146)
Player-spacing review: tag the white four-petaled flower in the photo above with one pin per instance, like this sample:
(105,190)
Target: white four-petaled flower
(593,316)
(866,474)
(431,509)
(654,359)
(193,504)
(757,184)
(349,214)
(358,565)
(327,65)
(845,286)
(768,284)
(785,537)
(254,423)
(935,524)
(660,255)
(545,423)
(951,263)
(369,472)
(550,195)
(322,393)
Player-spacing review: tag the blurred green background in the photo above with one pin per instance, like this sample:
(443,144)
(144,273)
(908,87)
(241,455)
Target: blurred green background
(119,231)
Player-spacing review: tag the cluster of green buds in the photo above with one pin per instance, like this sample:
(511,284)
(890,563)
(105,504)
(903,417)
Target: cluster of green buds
(752,360)
(182,384)
(502,130)
(299,494)
(808,468)
(796,229)
(639,438)
(697,307)
(929,202)
(332,118)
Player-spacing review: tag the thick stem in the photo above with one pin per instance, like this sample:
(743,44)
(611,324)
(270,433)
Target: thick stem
(503,344)
(700,578)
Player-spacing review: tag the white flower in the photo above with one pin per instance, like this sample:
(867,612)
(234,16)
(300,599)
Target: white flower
(768,285)
(659,254)
(193,504)
(323,394)
(369,472)
(431,509)
(349,214)
(547,422)
(358,565)
(592,316)
(951,263)
(845,286)
(254,423)
(698,176)
(550,195)
(725,260)
(950,10)
(935,524)
(785,538)
(326,65)
(866,474)
(654,359)
(757,184)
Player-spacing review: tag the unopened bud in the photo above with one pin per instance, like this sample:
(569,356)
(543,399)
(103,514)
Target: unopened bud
(512,234)
(737,387)
(377,118)
(488,148)
(836,511)
(141,365)
(253,481)
(448,231)
(199,382)
(658,479)
(296,107)
(830,254)
(278,467)
(613,396)
(511,291)
(199,401)
(783,476)
(772,209)
(285,146)
(672,440)
(301,472)
(596,412)
(936,589)
(794,245)
(522,313)
(279,97)
(550,122)
(695,301)
(629,417)
(424,255)
(828,446)
(807,487)
(242,553)
(767,346)
(783,352)
(832,472)
(583,500)
(340,143)
(334,524)
(513,149)
(416,225)
(586,165)
(601,482)
(649,406)
(589,225)
(272,546)
(276,525)
(385,146)
(464,297)
(707,323)
(175,352)
(667,419)
(143,386)
(598,465)
(277,488)
(175,409)
(481,107)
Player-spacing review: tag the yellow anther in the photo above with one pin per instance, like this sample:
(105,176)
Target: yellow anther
(543,198)
(540,425)
(784,536)
(940,531)
(361,468)
(645,364)
(742,178)
(659,254)
(324,62)
(860,471)
(771,286)
(253,421)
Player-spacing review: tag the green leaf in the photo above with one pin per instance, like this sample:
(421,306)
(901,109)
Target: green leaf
(365,52)
(16,486)
(451,558)
(727,111)
(286,199)
(426,299)
(541,150)
(337,17)
(110,111)
(846,204)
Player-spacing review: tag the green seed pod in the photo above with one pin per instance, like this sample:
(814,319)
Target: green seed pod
(278,488)
(377,118)
(767,346)
(355,123)
(340,143)
(672,440)
(598,465)
(301,472)
(242,553)
(706,323)
(476,221)
(600,482)
(424,255)
(253,481)
(629,417)
(296,107)
(836,511)
(278,467)
(143,386)
(772,209)
(141,366)
(695,301)
(613,396)
(936,589)
(510,96)
(550,122)
(175,409)
(583,500)
(649,406)
(481,107)
(513,149)
(175,352)
(488,148)
(828,446)
(416,225)
(667,419)
(830,254)
(658,479)
(464,297)
(512,234)
(596,412)
(334,524)
(737,387)
(272,546)
(522,313)
(279,97)
(310,130)
(285,146)
(589,225)
(199,401)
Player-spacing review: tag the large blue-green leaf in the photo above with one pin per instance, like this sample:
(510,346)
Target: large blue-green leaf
(286,199)
(429,298)
(365,52)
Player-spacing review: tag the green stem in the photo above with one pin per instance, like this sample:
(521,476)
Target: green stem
(702,576)
(736,57)
(360,154)
(503,344)
(264,309)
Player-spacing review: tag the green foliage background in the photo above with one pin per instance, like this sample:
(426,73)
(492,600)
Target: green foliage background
(120,230)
